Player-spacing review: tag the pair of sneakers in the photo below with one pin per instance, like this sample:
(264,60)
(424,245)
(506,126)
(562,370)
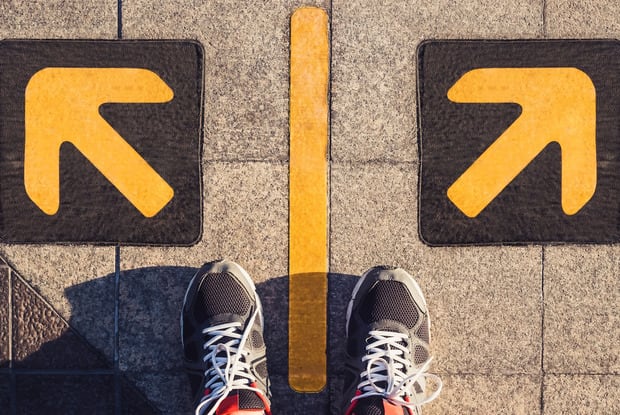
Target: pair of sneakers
(388,334)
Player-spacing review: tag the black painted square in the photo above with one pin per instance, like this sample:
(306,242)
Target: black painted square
(453,135)
(167,135)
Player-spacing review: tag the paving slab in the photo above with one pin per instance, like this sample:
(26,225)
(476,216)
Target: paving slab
(475,394)
(582,19)
(58,19)
(373,85)
(76,280)
(582,324)
(287,401)
(245,220)
(5,392)
(150,305)
(42,339)
(133,401)
(66,394)
(169,391)
(484,301)
(246,68)
(582,394)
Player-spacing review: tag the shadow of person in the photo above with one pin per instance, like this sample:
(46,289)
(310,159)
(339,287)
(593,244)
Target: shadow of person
(149,349)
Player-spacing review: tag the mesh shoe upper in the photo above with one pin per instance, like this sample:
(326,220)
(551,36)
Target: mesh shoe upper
(221,328)
(387,345)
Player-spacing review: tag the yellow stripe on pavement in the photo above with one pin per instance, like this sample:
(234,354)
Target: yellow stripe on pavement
(309,74)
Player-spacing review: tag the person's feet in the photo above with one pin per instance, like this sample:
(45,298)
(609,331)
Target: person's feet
(222,337)
(388,334)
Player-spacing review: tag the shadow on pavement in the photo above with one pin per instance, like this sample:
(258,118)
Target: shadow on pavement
(150,355)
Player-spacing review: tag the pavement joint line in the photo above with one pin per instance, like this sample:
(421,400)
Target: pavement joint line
(58,372)
(10,316)
(332,160)
(542,331)
(12,383)
(544,18)
(246,161)
(117,380)
(119,19)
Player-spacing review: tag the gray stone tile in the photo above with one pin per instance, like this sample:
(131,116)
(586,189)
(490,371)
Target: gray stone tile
(582,325)
(476,394)
(133,402)
(78,281)
(64,394)
(150,306)
(5,392)
(246,216)
(286,401)
(373,214)
(582,394)
(246,68)
(245,220)
(373,65)
(4,316)
(583,19)
(58,19)
(168,391)
(42,339)
(484,301)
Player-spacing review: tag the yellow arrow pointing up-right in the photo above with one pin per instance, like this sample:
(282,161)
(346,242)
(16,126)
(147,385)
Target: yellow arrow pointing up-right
(559,105)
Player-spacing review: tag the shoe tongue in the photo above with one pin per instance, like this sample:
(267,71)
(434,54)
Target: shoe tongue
(376,405)
(242,401)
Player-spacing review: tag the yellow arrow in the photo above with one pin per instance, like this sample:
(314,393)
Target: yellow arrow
(558,105)
(62,105)
(309,75)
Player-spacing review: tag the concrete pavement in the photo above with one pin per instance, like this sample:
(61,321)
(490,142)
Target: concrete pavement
(516,330)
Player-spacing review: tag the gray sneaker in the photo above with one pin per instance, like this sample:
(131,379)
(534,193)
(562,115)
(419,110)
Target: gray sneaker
(222,337)
(388,336)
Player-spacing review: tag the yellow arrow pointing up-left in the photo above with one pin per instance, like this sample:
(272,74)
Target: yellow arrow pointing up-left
(62,105)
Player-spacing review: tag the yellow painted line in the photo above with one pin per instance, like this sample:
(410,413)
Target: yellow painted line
(309,74)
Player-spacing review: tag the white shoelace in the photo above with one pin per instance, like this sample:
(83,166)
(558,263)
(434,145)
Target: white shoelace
(386,365)
(229,369)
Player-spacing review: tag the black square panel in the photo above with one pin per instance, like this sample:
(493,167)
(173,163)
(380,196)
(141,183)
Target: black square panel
(100,141)
(519,141)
